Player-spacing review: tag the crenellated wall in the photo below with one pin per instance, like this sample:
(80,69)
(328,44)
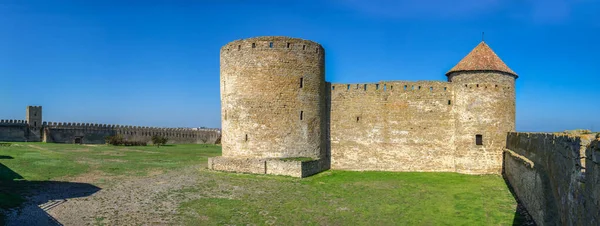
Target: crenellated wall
(62,132)
(555,176)
(392,126)
(13,130)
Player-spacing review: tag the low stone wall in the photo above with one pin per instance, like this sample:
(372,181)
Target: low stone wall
(239,165)
(556,176)
(269,166)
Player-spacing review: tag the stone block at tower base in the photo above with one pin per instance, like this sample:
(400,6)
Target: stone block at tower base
(294,168)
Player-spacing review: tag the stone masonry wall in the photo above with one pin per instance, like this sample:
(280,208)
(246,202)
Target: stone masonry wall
(485,105)
(392,126)
(273,97)
(556,176)
(14,131)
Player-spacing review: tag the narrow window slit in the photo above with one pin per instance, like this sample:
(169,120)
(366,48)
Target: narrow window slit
(253,45)
(479,139)
(301,82)
(270,44)
(301,115)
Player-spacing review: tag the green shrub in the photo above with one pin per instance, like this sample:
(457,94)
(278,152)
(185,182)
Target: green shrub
(115,140)
(159,140)
(5,144)
(118,140)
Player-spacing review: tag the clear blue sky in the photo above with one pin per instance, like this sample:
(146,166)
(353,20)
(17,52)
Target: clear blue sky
(156,63)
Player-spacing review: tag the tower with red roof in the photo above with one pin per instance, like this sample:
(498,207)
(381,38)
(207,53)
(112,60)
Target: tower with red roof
(484,110)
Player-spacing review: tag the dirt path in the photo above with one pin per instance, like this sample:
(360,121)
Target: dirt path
(151,200)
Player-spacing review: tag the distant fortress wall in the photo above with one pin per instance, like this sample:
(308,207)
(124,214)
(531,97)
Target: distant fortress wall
(96,133)
(13,130)
(91,133)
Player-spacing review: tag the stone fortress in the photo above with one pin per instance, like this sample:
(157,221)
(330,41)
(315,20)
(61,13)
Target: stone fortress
(33,129)
(280,116)
(277,107)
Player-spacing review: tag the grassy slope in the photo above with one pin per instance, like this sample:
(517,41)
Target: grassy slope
(332,198)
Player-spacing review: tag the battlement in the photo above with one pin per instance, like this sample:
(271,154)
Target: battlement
(13,122)
(95,126)
(266,43)
(394,86)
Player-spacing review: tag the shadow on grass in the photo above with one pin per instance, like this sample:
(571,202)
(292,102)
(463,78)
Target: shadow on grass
(25,202)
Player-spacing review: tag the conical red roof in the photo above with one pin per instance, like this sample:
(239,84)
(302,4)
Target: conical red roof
(481,58)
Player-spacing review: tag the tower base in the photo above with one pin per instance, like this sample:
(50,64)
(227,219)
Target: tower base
(291,167)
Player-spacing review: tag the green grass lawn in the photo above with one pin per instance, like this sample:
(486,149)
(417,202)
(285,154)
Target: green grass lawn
(329,198)
(47,161)
(356,198)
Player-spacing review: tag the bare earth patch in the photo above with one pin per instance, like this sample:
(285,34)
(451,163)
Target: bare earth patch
(122,201)
(91,177)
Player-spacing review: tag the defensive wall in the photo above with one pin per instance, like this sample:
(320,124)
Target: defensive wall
(15,131)
(418,126)
(555,176)
(276,104)
(91,133)
(392,126)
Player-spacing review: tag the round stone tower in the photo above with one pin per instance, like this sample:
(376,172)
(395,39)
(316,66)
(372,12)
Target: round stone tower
(484,110)
(273,98)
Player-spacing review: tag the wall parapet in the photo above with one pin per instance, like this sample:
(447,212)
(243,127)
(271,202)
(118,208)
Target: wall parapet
(96,126)
(13,122)
(273,43)
(394,86)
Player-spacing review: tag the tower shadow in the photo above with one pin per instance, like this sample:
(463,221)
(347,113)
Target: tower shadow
(25,202)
